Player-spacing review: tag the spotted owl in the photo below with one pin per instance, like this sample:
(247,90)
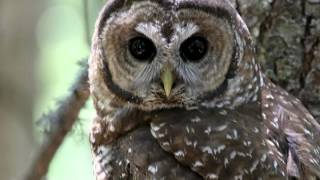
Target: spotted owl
(179,95)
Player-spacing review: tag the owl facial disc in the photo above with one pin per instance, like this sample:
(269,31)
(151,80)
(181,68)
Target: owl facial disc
(158,55)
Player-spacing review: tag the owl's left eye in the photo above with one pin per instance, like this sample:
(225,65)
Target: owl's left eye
(194,49)
(142,48)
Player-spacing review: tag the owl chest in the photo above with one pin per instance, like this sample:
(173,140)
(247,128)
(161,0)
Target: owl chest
(220,143)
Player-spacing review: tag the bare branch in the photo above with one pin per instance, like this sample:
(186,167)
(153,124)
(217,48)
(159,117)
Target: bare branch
(61,121)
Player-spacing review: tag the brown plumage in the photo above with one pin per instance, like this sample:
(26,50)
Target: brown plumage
(179,95)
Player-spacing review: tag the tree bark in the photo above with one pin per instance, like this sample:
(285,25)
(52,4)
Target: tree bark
(287,36)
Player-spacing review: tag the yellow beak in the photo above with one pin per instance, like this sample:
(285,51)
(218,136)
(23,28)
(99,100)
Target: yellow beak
(167,80)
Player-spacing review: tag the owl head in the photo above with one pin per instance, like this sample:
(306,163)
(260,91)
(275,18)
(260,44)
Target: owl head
(153,54)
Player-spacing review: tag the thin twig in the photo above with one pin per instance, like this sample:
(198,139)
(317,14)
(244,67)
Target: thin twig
(61,121)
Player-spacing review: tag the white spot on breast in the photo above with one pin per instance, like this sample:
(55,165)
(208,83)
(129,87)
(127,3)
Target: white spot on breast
(198,164)
(221,128)
(264,116)
(219,149)
(275,124)
(195,143)
(241,154)
(256,67)
(233,154)
(153,169)
(247,66)
(153,134)
(188,129)
(223,112)
(255,98)
(195,120)
(129,150)
(270,142)
(269,96)
(155,128)
(247,143)
(208,130)
(314,161)
(317,150)
(235,134)
(238,177)
(267,131)
(228,136)
(188,142)
(179,153)
(123,175)
(112,128)
(226,162)
(239,100)
(307,121)
(212,176)
(207,149)
(165,143)
(120,163)
(263,158)
(255,130)
(254,166)
(193,130)
(306,131)
(275,164)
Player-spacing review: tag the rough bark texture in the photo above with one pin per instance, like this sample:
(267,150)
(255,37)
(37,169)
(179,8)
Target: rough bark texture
(287,35)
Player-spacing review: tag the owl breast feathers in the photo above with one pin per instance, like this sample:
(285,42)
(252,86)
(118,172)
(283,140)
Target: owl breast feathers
(178,95)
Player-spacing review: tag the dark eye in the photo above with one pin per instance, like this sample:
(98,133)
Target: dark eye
(194,49)
(142,48)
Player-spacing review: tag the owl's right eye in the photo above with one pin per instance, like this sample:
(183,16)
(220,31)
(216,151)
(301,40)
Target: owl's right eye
(142,49)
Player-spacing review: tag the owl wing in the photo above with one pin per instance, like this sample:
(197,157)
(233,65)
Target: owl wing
(293,130)
(132,153)
(217,143)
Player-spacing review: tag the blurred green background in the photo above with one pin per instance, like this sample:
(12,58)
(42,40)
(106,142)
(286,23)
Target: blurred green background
(62,39)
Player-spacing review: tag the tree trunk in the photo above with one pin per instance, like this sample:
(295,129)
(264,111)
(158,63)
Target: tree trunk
(287,36)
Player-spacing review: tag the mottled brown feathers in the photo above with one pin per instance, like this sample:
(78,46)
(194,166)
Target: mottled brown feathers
(199,106)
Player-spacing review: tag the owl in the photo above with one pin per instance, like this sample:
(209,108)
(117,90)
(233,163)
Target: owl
(179,95)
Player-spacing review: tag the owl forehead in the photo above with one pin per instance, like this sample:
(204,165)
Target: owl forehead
(167,33)
(166,23)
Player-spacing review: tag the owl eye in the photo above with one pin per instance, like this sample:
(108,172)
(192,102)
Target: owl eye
(194,49)
(142,48)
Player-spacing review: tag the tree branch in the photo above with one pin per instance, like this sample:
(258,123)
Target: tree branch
(61,121)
